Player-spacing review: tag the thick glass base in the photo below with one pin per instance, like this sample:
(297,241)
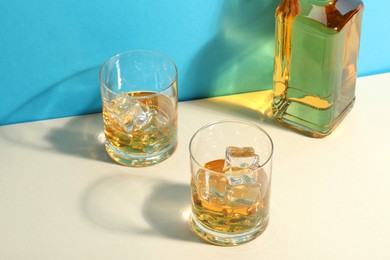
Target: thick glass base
(139,161)
(224,239)
(309,121)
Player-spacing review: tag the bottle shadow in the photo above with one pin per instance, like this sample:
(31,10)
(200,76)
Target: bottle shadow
(239,58)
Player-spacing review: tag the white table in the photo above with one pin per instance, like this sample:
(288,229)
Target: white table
(62,198)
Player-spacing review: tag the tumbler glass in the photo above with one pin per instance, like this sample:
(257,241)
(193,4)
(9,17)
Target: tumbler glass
(139,96)
(230,182)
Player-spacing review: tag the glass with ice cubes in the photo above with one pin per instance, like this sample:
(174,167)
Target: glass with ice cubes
(139,97)
(231,165)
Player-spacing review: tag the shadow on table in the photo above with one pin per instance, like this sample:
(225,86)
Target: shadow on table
(82,137)
(139,205)
(167,210)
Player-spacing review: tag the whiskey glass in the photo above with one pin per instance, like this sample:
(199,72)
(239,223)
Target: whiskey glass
(139,98)
(231,164)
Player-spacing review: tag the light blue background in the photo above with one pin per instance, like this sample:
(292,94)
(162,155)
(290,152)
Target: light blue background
(51,50)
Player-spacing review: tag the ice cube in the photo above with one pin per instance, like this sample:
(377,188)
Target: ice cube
(264,182)
(241,164)
(129,112)
(238,159)
(212,187)
(160,119)
(241,195)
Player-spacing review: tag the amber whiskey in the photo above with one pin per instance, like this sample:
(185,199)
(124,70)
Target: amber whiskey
(315,69)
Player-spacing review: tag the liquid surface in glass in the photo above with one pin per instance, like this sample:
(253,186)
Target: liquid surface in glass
(139,123)
(228,207)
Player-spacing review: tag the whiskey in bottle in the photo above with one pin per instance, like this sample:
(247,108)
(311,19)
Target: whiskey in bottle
(315,68)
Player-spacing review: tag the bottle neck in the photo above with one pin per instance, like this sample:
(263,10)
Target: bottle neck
(288,8)
(321,2)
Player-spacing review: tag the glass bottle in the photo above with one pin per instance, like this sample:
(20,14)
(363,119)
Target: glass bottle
(315,69)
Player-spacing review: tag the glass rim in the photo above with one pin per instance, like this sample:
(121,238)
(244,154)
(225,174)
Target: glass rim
(116,56)
(231,121)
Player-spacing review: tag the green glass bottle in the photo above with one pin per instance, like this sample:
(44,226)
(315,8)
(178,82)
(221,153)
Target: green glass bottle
(315,69)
